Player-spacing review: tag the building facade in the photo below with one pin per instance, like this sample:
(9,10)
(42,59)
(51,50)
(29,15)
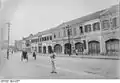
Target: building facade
(96,33)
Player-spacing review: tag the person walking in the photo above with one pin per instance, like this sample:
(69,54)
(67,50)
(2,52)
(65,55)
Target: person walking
(53,57)
(12,51)
(34,55)
(8,54)
(24,55)
(76,51)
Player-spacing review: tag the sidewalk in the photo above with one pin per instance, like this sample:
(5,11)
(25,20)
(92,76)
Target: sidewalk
(98,56)
(2,59)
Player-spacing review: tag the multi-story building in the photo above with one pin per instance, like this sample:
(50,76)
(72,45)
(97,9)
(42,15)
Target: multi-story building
(47,43)
(96,33)
(28,42)
(34,42)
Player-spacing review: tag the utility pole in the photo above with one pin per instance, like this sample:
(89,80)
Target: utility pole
(119,13)
(68,32)
(9,24)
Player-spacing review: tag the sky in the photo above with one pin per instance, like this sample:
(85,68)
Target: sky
(33,16)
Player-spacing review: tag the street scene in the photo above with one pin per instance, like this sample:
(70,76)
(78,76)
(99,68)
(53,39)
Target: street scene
(66,67)
(60,40)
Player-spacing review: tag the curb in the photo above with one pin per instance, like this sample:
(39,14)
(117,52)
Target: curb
(92,57)
(89,57)
(84,56)
(2,60)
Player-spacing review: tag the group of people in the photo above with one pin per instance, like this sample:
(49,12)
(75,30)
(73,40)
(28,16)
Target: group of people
(52,58)
(8,53)
(25,55)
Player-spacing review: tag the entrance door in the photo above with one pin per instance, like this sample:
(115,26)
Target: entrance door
(58,48)
(67,48)
(40,49)
(44,49)
(49,49)
(94,47)
(112,46)
(80,47)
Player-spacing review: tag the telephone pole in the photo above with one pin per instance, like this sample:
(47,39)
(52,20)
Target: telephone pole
(68,32)
(119,13)
(9,24)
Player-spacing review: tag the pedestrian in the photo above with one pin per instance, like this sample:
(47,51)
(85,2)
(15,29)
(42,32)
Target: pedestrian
(8,54)
(76,51)
(24,55)
(12,51)
(34,55)
(53,57)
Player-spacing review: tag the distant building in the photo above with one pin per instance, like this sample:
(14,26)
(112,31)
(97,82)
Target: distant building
(19,44)
(28,42)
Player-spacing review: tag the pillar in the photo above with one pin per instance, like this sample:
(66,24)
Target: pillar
(41,48)
(73,47)
(62,48)
(46,49)
(86,50)
(102,46)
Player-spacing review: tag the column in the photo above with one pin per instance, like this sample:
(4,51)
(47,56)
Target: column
(0,38)
(73,47)
(37,48)
(102,46)
(86,50)
(46,49)
(62,48)
(41,49)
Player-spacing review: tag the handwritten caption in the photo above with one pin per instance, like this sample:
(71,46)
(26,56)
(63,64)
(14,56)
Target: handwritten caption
(9,81)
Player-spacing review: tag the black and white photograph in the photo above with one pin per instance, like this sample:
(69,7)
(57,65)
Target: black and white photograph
(59,39)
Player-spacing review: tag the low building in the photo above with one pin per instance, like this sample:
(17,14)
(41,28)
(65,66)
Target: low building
(19,45)
(28,42)
(96,33)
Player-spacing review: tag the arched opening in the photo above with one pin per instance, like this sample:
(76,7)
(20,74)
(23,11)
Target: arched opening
(58,48)
(67,49)
(40,49)
(79,47)
(112,46)
(50,49)
(44,49)
(94,47)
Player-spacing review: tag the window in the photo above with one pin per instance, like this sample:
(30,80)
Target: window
(36,40)
(88,28)
(81,29)
(47,37)
(106,24)
(64,32)
(74,31)
(40,39)
(96,26)
(58,34)
(50,37)
(43,38)
(114,22)
(54,35)
(70,31)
